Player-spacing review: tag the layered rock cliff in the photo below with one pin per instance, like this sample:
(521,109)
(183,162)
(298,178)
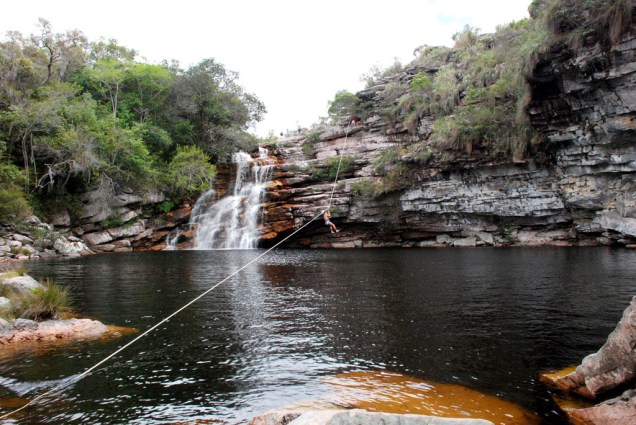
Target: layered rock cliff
(579,191)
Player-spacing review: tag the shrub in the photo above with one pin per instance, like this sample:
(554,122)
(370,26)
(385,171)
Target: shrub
(308,145)
(20,270)
(13,203)
(317,173)
(421,81)
(386,160)
(114,221)
(366,189)
(346,165)
(397,178)
(313,138)
(190,171)
(389,101)
(431,56)
(446,90)
(329,172)
(308,149)
(43,237)
(419,153)
(167,206)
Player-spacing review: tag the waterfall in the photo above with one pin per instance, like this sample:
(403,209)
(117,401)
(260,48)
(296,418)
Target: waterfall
(232,222)
(171,239)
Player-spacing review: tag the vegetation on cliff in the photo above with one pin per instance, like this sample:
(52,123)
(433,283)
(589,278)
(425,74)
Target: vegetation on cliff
(473,98)
(78,115)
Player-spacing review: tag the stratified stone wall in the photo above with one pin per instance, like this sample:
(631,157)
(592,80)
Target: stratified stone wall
(582,192)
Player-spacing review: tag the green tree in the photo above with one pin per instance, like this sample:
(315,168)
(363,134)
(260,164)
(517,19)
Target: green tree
(146,89)
(107,78)
(216,109)
(343,104)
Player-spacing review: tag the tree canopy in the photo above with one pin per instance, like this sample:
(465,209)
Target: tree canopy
(76,114)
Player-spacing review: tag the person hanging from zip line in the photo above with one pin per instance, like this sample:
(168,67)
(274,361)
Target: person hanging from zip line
(326,216)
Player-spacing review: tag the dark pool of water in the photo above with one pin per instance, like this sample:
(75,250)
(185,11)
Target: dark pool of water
(489,319)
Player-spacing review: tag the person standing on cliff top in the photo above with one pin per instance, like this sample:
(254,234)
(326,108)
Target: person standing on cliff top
(326,216)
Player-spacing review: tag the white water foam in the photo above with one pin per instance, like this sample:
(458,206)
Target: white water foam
(233,222)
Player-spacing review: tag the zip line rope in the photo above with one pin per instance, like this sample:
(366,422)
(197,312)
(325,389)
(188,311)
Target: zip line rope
(70,382)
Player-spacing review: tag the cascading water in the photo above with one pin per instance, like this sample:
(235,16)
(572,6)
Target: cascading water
(232,221)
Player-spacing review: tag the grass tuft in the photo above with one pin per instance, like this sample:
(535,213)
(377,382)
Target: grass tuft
(48,302)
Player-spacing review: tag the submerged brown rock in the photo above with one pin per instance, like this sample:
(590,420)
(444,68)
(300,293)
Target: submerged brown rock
(393,397)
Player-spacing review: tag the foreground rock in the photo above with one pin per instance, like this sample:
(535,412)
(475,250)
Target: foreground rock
(611,368)
(22,330)
(355,417)
(616,411)
(613,365)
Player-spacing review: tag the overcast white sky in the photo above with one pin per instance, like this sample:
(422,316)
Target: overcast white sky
(294,55)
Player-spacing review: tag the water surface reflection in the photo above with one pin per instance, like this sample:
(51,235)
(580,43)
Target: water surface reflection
(487,319)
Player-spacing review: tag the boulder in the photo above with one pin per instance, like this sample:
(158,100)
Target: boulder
(21,283)
(128,215)
(97,238)
(485,237)
(28,248)
(33,220)
(4,303)
(22,324)
(61,219)
(66,247)
(125,231)
(612,366)
(107,247)
(466,242)
(614,221)
(94,213)
(22,238)
(29,331)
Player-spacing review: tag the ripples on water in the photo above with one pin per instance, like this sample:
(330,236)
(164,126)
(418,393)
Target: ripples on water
(487,319)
